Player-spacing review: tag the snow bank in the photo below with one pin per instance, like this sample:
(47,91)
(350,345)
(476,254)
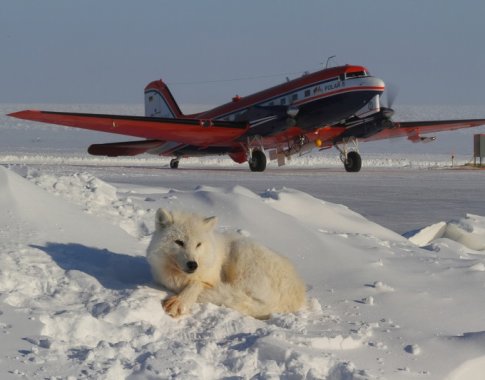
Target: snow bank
(73,259)
(468,232)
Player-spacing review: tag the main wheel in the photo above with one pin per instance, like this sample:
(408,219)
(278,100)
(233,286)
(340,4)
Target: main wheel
(174,163)
(353,162)
(257,162)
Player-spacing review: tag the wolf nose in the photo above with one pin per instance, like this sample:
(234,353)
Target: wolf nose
(191,266)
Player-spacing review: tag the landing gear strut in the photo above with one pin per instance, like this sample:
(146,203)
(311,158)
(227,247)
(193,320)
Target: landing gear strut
(257,161)
(174,163)
(352,160)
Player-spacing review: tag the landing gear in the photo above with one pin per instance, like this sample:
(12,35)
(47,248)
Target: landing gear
(257,161)
(174,163)
(254,153)
(351,160)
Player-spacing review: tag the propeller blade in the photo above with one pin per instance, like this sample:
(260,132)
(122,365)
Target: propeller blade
(391,94)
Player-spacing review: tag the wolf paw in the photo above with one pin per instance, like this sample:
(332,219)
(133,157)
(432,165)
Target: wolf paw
(173,306)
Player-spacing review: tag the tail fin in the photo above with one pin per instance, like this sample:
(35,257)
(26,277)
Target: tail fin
(159,101)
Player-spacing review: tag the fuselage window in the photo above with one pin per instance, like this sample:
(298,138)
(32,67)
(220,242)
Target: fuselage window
(294,97)
(307,93)
(283,101)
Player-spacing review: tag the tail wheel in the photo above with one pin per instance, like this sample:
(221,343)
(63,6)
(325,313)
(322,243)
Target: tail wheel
(257,162)
(353,162)
(174,164)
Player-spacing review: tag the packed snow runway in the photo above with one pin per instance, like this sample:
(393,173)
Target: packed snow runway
(77,299)
(402,200)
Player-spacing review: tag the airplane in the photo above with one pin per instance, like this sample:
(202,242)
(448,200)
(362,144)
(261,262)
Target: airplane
(333,107)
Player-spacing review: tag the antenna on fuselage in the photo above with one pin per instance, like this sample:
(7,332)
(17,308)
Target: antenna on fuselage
(328,60)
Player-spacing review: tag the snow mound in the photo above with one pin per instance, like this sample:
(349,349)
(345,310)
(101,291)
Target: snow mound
(379,306)
(469,232)
(470,370)
(336,218)
(95,197)
(100,310)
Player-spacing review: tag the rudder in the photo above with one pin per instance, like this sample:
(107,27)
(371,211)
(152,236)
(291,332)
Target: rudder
(159,101)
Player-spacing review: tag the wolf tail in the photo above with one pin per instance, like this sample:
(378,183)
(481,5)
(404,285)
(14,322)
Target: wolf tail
(159,101)
(234,298)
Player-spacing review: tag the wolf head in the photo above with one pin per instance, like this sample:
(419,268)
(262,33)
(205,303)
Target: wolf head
(186,239)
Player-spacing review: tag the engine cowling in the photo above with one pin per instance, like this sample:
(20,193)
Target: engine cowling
(363,128)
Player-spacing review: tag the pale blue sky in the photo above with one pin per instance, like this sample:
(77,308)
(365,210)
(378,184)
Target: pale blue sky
(94,51)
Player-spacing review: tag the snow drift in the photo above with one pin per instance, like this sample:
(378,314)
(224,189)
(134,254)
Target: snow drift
(380,307)
(468,232)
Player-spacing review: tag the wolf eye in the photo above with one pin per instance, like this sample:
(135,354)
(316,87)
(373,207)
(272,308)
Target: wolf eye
(199,244)
(180,243)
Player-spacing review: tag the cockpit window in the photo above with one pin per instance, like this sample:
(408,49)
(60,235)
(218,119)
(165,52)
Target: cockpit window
(356,74)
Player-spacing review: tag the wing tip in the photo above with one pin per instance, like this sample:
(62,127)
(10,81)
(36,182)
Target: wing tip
(25,114)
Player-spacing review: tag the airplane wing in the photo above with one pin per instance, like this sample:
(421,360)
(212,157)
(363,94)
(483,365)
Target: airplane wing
(413,129)
(196,132)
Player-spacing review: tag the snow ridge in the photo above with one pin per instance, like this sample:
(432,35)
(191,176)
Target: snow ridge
(380,306)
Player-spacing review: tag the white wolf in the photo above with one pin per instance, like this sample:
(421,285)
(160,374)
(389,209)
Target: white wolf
(198,264)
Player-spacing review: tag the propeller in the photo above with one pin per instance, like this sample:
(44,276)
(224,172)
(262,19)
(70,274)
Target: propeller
(391,94)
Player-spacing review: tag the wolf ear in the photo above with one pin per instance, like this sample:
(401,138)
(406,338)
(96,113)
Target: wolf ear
(210,222)
(163,218)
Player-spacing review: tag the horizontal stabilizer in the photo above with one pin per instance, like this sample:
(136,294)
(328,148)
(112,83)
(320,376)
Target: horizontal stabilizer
(127,148)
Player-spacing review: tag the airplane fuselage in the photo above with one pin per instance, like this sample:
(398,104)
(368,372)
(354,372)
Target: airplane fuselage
(317,99)
(293,112)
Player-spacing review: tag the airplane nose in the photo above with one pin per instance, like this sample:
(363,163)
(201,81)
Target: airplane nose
(379,83)
(376,84)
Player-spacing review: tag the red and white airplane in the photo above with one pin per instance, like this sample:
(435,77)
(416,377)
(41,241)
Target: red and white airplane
(337,106)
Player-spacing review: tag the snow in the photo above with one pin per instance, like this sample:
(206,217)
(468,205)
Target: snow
(468,232)
(77,299)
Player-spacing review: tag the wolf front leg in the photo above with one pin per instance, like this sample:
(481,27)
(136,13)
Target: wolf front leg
(179,304)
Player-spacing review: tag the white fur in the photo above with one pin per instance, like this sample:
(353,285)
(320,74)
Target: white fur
(232,270)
